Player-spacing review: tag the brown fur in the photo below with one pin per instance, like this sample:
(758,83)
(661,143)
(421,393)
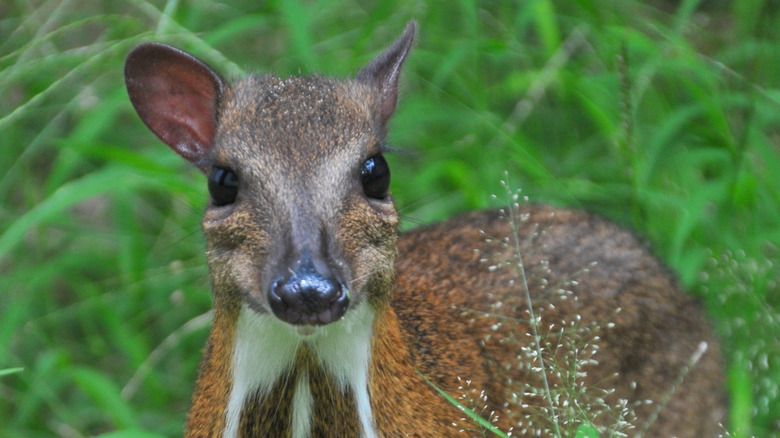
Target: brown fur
(654,336)
(296,146)
(265,416)
(210,397)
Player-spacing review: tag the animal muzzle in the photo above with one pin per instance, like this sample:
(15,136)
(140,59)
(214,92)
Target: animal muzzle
(307,296)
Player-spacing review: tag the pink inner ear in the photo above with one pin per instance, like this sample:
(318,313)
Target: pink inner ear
(186,111)
(176,96)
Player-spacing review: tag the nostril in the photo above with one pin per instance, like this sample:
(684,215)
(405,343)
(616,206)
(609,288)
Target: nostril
(308,299)
(338,306)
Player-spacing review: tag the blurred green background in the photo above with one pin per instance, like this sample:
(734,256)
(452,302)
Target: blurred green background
(663,116)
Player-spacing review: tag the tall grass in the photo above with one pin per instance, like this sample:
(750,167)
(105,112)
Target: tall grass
(662,116)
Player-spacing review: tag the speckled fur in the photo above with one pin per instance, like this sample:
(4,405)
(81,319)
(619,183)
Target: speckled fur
(296,146)
(655,334)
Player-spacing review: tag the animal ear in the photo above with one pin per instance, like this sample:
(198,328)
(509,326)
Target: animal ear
(176,96)
(382,73)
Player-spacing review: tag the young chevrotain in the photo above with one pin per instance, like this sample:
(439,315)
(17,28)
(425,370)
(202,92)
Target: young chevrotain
(327,322)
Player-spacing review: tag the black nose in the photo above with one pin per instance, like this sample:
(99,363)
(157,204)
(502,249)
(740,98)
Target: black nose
(308,297)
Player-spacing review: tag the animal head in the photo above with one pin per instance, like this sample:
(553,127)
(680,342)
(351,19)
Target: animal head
(300,222)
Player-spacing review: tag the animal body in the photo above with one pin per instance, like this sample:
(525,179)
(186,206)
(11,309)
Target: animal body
(329,323)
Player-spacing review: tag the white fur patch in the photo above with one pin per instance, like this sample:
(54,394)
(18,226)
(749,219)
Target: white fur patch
(265,350)
(302,404)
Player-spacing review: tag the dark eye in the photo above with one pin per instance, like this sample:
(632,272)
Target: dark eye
(375,177)
(223,186)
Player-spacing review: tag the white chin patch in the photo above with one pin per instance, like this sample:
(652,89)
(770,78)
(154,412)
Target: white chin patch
(265,349)
(304,331)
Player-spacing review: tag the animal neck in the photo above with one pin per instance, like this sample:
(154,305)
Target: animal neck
(300,384)
(354,377)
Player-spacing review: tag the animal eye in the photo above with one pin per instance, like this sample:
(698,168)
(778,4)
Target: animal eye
(223,186)
(375,177)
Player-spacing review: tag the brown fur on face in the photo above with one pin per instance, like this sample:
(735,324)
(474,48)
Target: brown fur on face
(297,145)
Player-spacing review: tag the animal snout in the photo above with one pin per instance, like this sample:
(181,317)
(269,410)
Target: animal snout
(308,297)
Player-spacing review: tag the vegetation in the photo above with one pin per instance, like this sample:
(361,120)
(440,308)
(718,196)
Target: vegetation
(664,117)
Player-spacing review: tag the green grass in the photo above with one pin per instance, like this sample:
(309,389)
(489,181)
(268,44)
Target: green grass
(663,117)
